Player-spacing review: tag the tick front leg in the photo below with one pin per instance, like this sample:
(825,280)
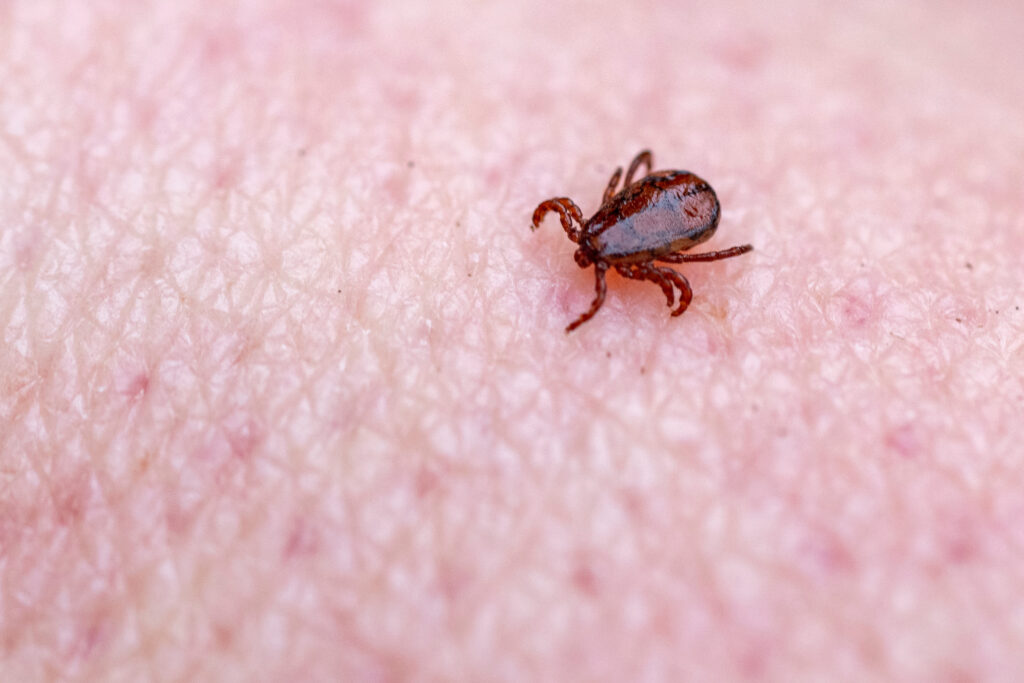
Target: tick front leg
(612,184)
(567,212)
(681,283)
(680,257)
(601,289)
(643,157)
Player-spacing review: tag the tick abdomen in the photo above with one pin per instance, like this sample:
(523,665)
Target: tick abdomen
(662,213)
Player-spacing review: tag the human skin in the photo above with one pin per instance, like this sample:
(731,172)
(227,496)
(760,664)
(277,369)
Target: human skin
(285,392)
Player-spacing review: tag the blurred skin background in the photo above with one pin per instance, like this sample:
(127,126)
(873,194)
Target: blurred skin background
(284,387)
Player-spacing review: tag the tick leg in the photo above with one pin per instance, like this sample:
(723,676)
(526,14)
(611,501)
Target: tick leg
(601,289)
(680,257)
(612,184)
(567,211)
(681,283)
(643,157)
(644,273)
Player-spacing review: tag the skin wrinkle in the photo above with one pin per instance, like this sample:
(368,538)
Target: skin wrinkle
(214,459)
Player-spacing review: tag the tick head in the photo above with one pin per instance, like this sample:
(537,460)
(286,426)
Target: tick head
(583,257)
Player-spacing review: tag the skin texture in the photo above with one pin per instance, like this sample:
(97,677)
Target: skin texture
(284,392)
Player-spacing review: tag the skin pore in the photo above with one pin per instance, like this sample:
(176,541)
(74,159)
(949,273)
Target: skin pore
(285,392)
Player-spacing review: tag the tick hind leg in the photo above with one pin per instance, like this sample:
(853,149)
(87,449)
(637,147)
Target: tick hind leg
(681,283)
(645,273)
(600,288)
(567,212)
(680,257)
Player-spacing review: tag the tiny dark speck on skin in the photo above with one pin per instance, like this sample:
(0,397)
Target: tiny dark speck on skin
(410,164)
(969,266)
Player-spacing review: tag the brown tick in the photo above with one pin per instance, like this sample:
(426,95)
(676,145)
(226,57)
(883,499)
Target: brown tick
(654,219)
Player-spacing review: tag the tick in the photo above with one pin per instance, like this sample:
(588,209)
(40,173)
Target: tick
(656,218)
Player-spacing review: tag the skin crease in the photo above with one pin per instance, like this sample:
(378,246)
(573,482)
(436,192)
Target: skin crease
(284,387)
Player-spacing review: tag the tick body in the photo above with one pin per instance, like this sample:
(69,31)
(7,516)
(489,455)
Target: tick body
(656,218)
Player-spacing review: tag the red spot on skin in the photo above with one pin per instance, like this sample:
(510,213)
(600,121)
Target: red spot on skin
(856,311)
(827,553)
(959,541)
(224,634)
(178,520)
(303,541)
(493,177)
(70,498)
(960,549)
(633,503)
(903,441)
(754,661)
(742,51)
(426,482)
(226,174)
(585,580)
(92,636)
(397,188)
(144,113)
(25,250)
(219,44)
(244,435)
(137,385)
(452,582)
(87,178)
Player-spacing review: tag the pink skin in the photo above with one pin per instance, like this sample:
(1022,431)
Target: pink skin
(284,387)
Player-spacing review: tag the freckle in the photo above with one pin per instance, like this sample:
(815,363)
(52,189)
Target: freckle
(969,266)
